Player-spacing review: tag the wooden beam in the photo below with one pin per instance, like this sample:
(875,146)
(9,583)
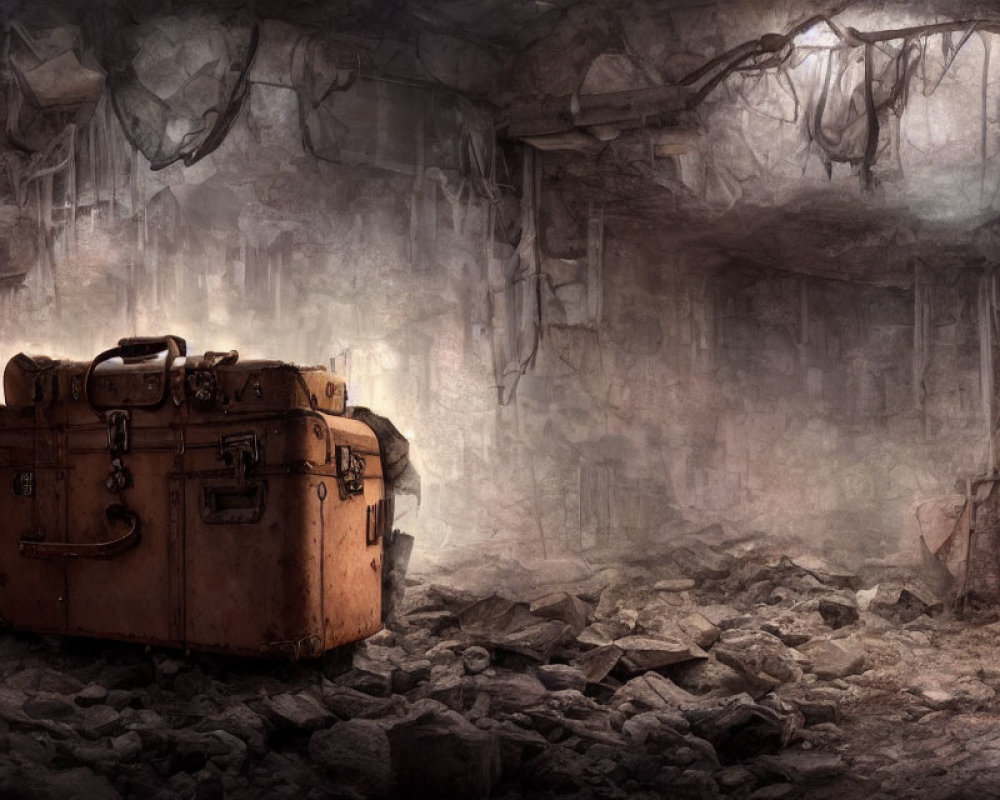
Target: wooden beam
(656,105)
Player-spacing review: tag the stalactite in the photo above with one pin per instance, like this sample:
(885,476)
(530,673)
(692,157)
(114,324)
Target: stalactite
(983,119)
(921,340)
(987,384)
(595,266)
(871,144)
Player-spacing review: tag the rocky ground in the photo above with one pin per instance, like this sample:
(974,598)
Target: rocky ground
(723,671)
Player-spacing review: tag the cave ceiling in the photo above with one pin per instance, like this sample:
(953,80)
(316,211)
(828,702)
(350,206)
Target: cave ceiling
(852,139)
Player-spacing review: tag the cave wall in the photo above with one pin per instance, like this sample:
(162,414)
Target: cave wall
(574,372)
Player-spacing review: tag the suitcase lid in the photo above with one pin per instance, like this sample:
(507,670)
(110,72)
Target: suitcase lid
(149,372)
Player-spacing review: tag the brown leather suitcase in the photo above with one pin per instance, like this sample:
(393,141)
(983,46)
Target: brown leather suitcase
(197,502)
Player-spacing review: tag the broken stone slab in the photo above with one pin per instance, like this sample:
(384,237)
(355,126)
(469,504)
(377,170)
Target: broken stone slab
(368,676)
(760,656)
(724,617)
(432,621)
(438,753)
(641,653)
(357,753)
(700,562)
(603,633)
(793,626)
(839,610)
(561,676)
(299,712)
(829,659)
(596,664)
(537,641)
(652,691)
(562,607)
(699,629)
(903,602)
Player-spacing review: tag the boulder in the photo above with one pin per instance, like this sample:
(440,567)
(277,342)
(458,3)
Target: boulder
(438,753)
(356,753)
(742,728)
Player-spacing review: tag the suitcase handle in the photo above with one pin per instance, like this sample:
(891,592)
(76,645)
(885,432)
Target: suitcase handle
(138,347)
(102,550)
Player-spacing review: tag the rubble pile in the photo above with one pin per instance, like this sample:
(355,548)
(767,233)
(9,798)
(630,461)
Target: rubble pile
(707,673)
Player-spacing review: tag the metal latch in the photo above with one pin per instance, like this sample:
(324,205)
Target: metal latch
(118,431)
(241,451)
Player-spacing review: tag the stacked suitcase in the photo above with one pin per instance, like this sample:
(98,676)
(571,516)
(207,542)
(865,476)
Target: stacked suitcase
(203,502)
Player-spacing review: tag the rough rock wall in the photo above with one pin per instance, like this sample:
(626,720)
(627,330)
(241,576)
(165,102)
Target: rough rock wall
(575,369)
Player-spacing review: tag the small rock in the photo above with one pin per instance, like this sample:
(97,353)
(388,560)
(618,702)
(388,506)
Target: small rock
(839,611)
(97,721)
(774,791)
(603,633)
(444,651)
(410,673)
(902,603)
(699,630)
(701,562)
(48,707)
(384,638)
(652,691)
(511,691)
(561,676)
(475,659)
(349,703)
(724,617)
(93,694)
(375,679)
(434,622)
(803,767)
(830,659)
